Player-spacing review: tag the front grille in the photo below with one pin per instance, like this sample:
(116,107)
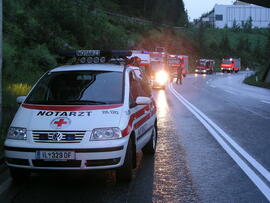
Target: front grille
(58,136)
(68,163)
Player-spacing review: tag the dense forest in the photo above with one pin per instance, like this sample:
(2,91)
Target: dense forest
(35,30)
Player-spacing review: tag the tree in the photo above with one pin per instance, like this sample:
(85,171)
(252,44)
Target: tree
(225,45)
(1,23)
(235,26)
(247,26)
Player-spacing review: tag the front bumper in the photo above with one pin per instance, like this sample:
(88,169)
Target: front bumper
(200,71)
(227,69)
(101,155)
(156,84)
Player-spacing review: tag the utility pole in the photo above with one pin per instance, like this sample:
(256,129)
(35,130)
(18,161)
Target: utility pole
(1,60)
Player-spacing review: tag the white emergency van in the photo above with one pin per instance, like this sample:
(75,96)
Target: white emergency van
(89,116)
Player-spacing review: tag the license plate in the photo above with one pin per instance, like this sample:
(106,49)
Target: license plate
(55,155)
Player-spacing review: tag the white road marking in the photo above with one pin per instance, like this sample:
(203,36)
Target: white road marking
(264,101)
(5,185)
(231,92)
(220,136)
(213,86)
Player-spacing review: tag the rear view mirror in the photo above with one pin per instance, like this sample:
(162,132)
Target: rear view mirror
(143,100)
(20,99)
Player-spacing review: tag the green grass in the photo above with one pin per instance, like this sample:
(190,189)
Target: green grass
(252,81)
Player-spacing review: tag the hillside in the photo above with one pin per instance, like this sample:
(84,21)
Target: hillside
(34,31)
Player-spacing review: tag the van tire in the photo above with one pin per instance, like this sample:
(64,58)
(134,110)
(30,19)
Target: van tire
(124,174)
(150,147)
(19,175)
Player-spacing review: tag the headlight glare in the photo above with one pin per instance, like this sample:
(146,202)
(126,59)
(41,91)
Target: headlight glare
(106,134)
(17,133)
(161,77)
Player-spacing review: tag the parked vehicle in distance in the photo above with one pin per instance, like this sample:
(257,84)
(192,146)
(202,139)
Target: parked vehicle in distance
(205,66)
(230,65)
(145,61)
(159,73)
(174,62)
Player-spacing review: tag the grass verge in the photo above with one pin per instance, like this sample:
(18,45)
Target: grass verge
(251,80)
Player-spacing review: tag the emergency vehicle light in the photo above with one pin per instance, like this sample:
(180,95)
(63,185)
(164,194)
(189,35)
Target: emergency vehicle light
(96,53)
(96,56)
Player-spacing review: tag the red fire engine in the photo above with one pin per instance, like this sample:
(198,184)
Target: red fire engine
(230,65)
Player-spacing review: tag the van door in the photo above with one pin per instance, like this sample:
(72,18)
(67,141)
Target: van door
(141,113)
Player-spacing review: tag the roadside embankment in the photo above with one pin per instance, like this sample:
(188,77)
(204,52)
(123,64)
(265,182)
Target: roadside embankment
(260,78)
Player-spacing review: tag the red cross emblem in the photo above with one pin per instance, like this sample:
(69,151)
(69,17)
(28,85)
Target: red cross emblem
(59,123)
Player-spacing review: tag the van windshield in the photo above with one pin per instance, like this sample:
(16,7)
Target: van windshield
(78,88)
(226,62)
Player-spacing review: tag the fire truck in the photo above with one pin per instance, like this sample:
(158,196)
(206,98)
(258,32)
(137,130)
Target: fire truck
(145,60)
(174,62)
(205,66)
(230,65)
(159,74)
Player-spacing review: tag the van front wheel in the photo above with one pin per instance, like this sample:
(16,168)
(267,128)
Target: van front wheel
(150,147)
(124,174)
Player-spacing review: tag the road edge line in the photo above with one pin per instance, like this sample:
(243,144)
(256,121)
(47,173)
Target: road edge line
(265,173)
(261,185)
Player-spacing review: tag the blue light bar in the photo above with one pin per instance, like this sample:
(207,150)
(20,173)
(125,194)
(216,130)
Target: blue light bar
(93,53)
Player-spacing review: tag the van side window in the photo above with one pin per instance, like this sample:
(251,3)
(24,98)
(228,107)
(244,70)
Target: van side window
(145,89)
(134,90)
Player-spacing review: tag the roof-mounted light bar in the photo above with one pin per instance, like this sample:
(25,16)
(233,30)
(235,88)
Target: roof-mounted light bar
(98,56)
(93,53)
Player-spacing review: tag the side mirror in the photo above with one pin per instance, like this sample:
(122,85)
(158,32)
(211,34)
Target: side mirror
(20,99)
(143,100)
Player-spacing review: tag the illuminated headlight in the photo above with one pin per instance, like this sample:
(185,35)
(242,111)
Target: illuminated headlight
(196,70)
(17,133)
(204,71)
(106,134)
(161,77)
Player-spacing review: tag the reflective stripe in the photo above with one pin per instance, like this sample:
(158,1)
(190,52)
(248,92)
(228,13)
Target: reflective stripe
(70,108)
(136,115)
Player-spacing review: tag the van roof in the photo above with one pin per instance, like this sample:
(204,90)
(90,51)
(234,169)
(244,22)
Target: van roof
(88,67)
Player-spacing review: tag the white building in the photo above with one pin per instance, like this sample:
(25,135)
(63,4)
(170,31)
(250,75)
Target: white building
(227,14)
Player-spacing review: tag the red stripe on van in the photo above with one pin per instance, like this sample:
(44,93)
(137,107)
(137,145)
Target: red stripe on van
(133,117)
(70,108)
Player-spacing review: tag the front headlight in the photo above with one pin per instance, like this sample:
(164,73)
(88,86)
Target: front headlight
(106,134)
(161,77)
(17,133)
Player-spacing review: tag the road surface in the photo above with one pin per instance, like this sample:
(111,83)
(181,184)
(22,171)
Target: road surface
(213,147)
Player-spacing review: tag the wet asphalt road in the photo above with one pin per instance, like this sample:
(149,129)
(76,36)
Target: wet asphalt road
(190,165)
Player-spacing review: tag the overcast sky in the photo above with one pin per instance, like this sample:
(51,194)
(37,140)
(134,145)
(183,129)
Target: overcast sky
(196,8)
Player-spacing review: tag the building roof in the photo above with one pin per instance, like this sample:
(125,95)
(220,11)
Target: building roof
(240,3)
(264,3)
